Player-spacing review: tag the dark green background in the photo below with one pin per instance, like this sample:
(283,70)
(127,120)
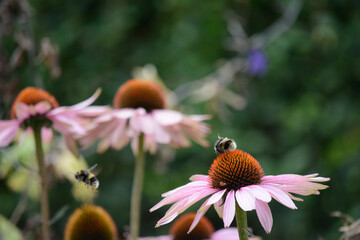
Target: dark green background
(302,116)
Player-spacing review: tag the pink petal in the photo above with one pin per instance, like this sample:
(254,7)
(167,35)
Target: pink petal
(135,120)
(22,111)
(200,213)
(42,107)
(117,134)
(8,131)
(46,134)
(259,193)
(94,111)
(71,144)
(226,234)
(280,196)
(150,144)
(199,177)
(215,197)
(229,209)
(264,214)
(124,113)
(245,199)
(183,192)
(305,191)
(103,145)
(218,206)
(86,102)
(200,118)
(167,117)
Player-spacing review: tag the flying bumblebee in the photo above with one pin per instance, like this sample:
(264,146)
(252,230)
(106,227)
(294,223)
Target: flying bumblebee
(224,144)
(88,178)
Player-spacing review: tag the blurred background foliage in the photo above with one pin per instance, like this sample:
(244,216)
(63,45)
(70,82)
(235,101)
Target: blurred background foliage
(296,110)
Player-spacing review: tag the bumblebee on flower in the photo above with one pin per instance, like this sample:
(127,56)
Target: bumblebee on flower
(236,184)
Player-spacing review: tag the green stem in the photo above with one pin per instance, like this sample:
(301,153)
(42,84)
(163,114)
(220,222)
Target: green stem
(44,184)
(137,191)
(241,222)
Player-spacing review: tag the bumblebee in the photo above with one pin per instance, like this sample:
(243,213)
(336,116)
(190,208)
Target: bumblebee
(224,144)
(88,178)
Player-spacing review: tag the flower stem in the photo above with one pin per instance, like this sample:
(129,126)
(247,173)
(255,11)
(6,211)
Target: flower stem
(44,183)
(137,190)
(241,222)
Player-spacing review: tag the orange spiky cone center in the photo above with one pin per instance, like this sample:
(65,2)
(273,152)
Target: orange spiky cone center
(90,223)
(233,170)
(203,230)
(140,94)
(32,96)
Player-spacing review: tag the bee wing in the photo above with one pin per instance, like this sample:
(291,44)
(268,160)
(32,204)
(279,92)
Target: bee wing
(92,168)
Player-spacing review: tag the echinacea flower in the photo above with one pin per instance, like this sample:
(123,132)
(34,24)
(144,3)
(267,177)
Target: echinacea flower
(90,222)
(140,108)
(236,177)
(34,106)
(203,230)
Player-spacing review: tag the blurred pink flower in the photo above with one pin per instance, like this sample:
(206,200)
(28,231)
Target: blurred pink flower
(237,177)
(36,106)
(140,108)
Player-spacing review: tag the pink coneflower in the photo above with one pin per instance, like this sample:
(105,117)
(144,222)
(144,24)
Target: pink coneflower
(140,108)
(34,106)
(36,110)
(140,116)
(236,182)
(203,230)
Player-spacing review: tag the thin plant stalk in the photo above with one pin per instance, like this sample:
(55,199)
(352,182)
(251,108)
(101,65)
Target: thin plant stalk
(137,190)
(45,212)
(241,222)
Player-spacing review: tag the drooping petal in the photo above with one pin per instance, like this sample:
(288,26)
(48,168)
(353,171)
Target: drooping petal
(183,192)
(199,177)
(46,134)
(264,214)
(218,206)
(215,197)
(8,131)
(229,209)
(280,196)
(305,191)
(200,213)
(167,117)
(86,102)
(259,193)
(22,111)
(245,199)
(135,121)
(71,144)
(42,107)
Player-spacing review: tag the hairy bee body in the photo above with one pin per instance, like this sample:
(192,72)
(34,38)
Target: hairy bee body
(224,144)
(87,177)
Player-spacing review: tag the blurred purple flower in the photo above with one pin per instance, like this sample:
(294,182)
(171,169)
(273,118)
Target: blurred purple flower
(257,63)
